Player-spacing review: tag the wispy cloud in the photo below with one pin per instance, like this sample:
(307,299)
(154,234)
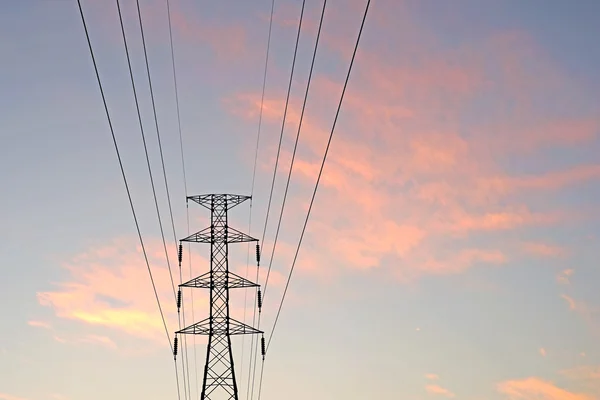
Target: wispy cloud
(570,301)
(544,249)
(39,324)
(99,340)
(410,168)
(543,352)
(4,396)
(535,389)
(438,390)
(587,375)
(564,276)
(432,377)
(105,290)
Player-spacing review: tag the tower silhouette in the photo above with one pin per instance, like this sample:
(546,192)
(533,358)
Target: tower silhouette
(219,374)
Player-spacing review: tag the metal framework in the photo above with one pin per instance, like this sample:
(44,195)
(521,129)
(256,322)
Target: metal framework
(219,374)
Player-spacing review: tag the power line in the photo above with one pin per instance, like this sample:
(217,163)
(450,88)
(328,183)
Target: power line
(262,99)
(312,64)
(273,182)
(185,189)
(287,100)
(123,174)
(185,359)
(162,159)
(320,171)
(287,185)
(144,141)
(137,105)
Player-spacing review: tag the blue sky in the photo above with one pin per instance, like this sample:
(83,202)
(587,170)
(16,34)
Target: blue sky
(452,251)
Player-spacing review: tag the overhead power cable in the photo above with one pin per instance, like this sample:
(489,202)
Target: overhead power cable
(125,180)
(262,99)
(312,65)
(139,115)
(185,189)
(162,159)
(337,113)
(273,185)
(287,185)
(287,100)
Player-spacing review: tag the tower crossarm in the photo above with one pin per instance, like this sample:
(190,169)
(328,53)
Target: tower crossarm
(207,200)
(219,328)
(233,281)
(230,235)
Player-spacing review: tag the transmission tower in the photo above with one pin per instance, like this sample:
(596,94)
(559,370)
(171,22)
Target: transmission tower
(219,373)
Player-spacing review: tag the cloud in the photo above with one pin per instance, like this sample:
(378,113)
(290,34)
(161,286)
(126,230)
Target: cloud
(109,287)
(537,389)
(570,301)
(39,324)
(4,396)
(228,42)
(417,178)
(584,372)
(432,377)
(543,352)
(438,390)
(587,375)
(563,276)
(59,339)
(99,340)
(589,313)
(543,249)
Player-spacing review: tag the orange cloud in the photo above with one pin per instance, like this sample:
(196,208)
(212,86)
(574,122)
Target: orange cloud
(588,313)
(543,249)
(4,396)
(585,372)
(39,324)
(536,388)
(438,390)
(110,287)
(564,276)
(100,340)
(412,166)
(543,352)
(587,375)
(432,377)
(570,301)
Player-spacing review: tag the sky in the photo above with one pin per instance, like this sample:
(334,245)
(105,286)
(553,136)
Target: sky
(452,248)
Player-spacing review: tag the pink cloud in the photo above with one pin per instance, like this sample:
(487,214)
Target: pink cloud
(564,276)
(432,377)
(589,313)
(587,375)
(408,168)
(39,324)
(110,287)
(438,390)
(584,372)
(4,396)
(59,339)
(536,388)
(99,340)
(543,249)
(570,301)
(543,352)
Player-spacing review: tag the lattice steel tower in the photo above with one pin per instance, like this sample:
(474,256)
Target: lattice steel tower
(219,374)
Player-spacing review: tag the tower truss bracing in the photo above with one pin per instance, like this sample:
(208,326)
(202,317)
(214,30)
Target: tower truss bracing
(219,374)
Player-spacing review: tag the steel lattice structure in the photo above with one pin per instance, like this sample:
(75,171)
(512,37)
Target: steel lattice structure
(219,374)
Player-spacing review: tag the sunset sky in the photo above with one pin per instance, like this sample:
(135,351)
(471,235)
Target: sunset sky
(453,248)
